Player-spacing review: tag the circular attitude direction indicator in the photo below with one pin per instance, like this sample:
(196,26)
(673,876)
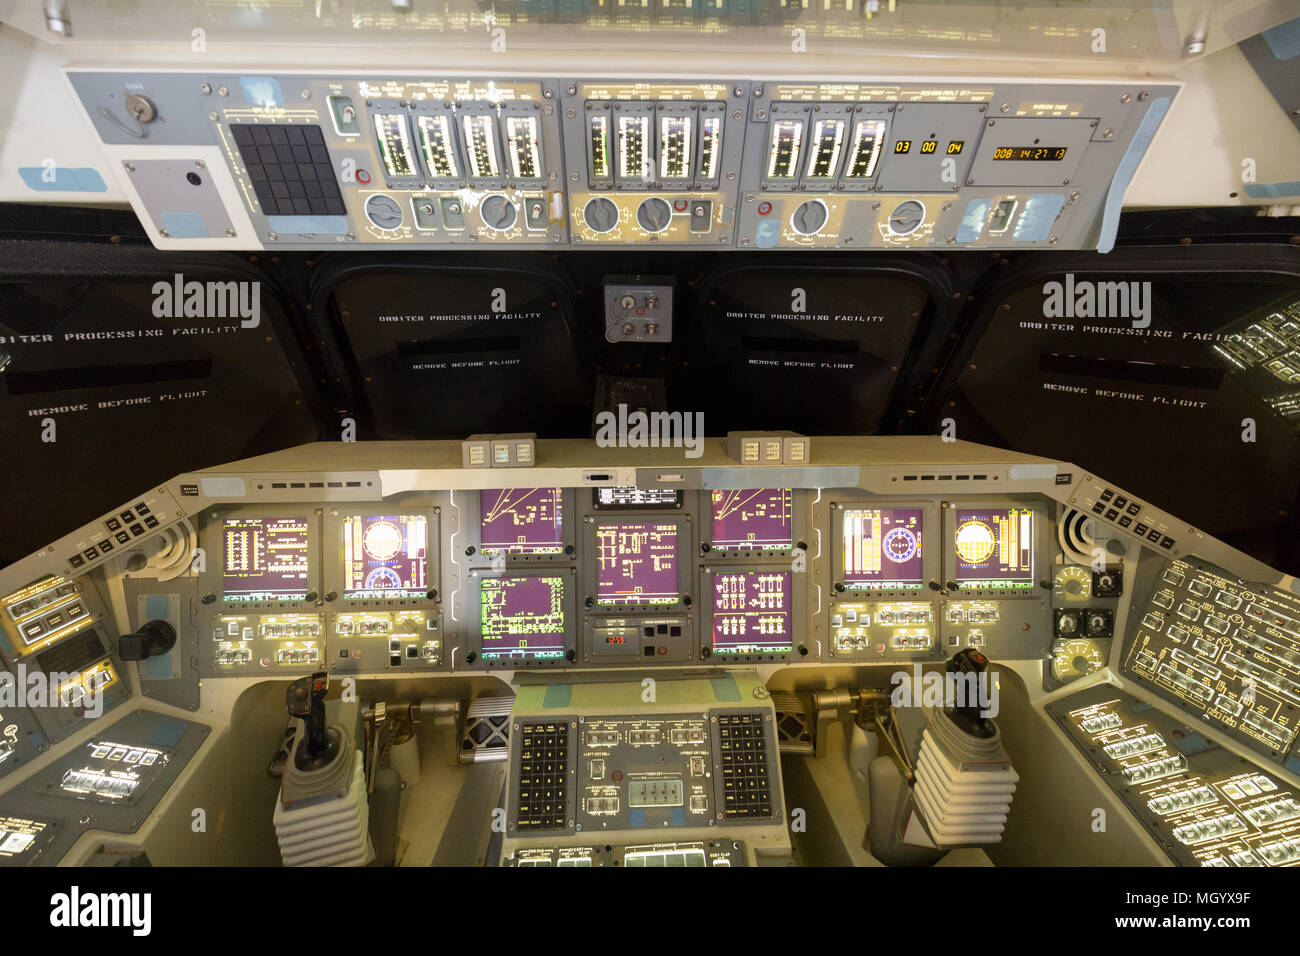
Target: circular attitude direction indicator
(975,542)
(383,541)
(900,545)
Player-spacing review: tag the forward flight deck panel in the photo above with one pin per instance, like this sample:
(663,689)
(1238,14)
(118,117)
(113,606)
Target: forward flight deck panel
(225,160)
(384,569)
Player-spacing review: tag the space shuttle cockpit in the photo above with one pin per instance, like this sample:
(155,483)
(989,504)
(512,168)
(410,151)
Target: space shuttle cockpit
(650,433)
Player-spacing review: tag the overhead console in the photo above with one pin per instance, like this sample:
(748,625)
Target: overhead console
(308,161)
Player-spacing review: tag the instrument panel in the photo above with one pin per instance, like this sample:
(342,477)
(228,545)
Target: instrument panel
(639,619)
(304,161)
(558,577)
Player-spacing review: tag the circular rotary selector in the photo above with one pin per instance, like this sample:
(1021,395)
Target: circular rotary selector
(654,214)
(498,212)
(600,214)
(1073,658)
(906,217)
(1072,584)
(809,217)
(899,545)
(384,212)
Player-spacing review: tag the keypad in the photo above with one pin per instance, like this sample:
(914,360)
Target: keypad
(289,167)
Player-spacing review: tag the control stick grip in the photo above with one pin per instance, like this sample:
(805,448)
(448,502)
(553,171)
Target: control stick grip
(305,698)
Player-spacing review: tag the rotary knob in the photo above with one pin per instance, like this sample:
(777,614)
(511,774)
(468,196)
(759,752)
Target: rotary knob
(140,107)
(809,217)
(654,215)
(498,212)
(906,217)
(600,214)
(384,211)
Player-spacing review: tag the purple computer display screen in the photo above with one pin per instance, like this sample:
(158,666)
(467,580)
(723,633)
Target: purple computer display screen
(751,611)
(522,616)
(265,558)
(755,518)
(383,555)
(995,546)
(521,521)
(882,547)
(636,562)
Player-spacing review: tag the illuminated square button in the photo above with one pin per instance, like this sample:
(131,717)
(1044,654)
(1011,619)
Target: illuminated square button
(524,452)
(749,448)
(796,451)
(500,453)
(772,450)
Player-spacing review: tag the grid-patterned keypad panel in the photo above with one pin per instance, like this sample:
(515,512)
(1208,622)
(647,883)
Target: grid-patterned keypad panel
(742,759)
(290,169)
(543,775)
